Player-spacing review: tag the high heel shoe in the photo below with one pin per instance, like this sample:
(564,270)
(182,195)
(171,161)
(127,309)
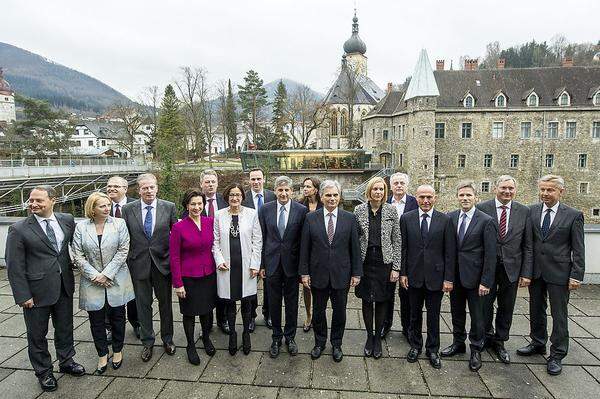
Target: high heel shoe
(116,365)
(307,326)
(101,369)
(232,343)
(377,350)
(369,346)
(246,345)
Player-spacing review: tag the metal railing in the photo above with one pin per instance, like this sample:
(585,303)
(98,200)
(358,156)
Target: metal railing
(357,193)
(44,162)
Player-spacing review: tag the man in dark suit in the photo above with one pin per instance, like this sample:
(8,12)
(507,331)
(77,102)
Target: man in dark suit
(476,267)
(403,203)
(330,263)
(41,277)
(514,261)
(214,201)
(281,222)
(558,268)
(255,198)
(428,263)
(116,188)
(149,222)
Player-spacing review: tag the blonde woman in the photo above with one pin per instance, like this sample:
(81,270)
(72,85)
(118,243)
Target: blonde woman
(100,247)
(380,246)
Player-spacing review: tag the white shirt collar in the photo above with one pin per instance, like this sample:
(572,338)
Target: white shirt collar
(153,204)
(255,195)
(120,203)
(335,212)
(554,208)
(402,200)
(499,204)
(214,197)
(41,219)
(429,213)
(286,206)
(470,213)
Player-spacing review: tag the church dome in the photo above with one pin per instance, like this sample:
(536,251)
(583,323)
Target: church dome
(355,43)
(4,86)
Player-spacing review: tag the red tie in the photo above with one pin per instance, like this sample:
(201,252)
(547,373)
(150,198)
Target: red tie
(502,231)
(117,211)
(211,208)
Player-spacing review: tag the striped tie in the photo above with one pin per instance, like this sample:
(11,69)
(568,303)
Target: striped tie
(502,230)
(330,228)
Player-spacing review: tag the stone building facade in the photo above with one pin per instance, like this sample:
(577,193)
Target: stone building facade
(485,123)
(7,101)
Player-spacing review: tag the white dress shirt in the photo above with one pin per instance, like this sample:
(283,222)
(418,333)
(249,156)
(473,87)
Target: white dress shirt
(469,214)
(58,231)
(286,213)
(144,211)
(499,211)
(326,218)
(429,214)
(399,205)
(552,213)
(255,198)
(121,204)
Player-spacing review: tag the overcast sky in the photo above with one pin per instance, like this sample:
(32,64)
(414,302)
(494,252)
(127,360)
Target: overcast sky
(131,44)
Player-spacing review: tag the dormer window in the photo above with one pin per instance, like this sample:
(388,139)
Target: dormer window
(597,98)
(564,100)
(469,101)
(533,100)
(500,100)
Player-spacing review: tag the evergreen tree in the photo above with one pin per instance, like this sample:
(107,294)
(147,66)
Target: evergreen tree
(280,118)
(170,128)
(230,119)
(252,99)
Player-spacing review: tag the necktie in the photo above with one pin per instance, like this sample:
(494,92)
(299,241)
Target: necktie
(259,202)
(211,208)
(502,230)
(546,223)
(117,211)
(424,227)
(462,229)
(51,235)
(148,222)
(330,228)
(281,222)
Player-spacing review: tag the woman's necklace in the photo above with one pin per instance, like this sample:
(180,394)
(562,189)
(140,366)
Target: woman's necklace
(234,230)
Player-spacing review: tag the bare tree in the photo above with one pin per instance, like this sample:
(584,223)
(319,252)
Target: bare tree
(150,99)
(305,115)
(349,90)
(129,117)
(191,87)
(492,54)
(208,117)
(558,45)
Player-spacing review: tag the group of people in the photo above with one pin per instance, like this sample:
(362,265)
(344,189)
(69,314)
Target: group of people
(130,251)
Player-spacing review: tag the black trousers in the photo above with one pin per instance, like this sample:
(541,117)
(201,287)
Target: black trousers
(539,292)
(116,317)
(404,310)
(245,310)
(131,315)
(339,299)
(433,304)
(506,294)
(36,321)
(283,288)
(459,298)
(161,285)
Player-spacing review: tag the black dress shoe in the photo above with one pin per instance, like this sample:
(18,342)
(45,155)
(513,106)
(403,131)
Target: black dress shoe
(136,331)
(413,355)
(274,349)
(101,370)
(117,365)
(502,354)
(434,360)
(268,323)
(74,369)
(292,347)
(170,348)
(554,366)
(369,346)
(147,353)
(192,355)
(233,343)
(224,327)
(246,344)
(252,325)
(531,349)
(316,352)
(48,383)
(337,354)
(475,361)
(385,330)
(209,348)
(453,350)
(377,351)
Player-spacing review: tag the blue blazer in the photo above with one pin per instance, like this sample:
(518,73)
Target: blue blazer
(411,203)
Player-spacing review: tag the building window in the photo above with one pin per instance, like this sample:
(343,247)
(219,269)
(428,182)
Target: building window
(466,130)
(584,187)
(564,99)
(334,125)
(394,132)
(103,143)
(373,136)
(402,129)
(514,160)
(525,130)
(498,130)
(440,130)
(485,186)
(469,101)
(487,161)
(596,212)
(436,186)
(570,130)
(597,98)
(436,161)
(462,160)
(533,100)
(385,135)
(552,130)
(90,143)
(596,130)
(582,161)
(343,127)
(501,100)
(549,160)
(401,159)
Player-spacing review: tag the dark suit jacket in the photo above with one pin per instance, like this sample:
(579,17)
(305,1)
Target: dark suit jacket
(329,264)
(142,252)
(249,202)
(561,255)
(476,255)
(286,249)
(431,262)
(411,203)
(128,201)
(221,203)
(33,264)
(515,249)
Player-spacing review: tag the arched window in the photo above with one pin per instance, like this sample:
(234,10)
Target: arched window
(501,100)
(597,98)
(469,101)
(533,100)
(564,99)
(333,124)
(343,124)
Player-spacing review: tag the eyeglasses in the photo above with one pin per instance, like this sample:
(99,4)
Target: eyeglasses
(235,195)
(114,186)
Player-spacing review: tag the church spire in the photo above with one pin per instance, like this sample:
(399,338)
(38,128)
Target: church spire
(422,83)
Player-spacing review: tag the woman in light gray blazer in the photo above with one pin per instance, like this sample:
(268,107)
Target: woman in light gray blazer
(100,247)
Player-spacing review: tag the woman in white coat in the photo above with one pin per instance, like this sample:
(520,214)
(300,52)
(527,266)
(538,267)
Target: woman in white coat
(237,250)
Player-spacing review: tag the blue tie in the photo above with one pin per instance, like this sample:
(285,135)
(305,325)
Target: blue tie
(259,202)
(148,222)
(281,222)
(546,223)
(462,229)
(424,227)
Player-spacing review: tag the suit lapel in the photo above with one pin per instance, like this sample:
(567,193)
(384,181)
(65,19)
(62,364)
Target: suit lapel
(558,218)
(62,223)
(472,224)
(536,213)
(137,214)
(432,226)
(90,229)
(37,229)
(291,217)
(322,224)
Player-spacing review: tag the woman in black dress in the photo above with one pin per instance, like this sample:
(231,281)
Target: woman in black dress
(380,245)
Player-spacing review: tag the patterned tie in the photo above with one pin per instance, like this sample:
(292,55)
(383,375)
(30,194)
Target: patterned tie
(281,222)
(148,222)
(330,228)
(51,235)
(502,231)
(259,202)
(462,229)
(546,223)
(117,211)
(424,227)
(211,208)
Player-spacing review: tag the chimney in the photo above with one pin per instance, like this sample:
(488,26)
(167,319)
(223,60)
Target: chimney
(567,62)
(501,63)
(471,64)
(390,86)
(439,65)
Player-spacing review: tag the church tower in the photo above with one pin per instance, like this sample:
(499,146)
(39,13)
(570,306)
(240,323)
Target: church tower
(7,101)
(355,49)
